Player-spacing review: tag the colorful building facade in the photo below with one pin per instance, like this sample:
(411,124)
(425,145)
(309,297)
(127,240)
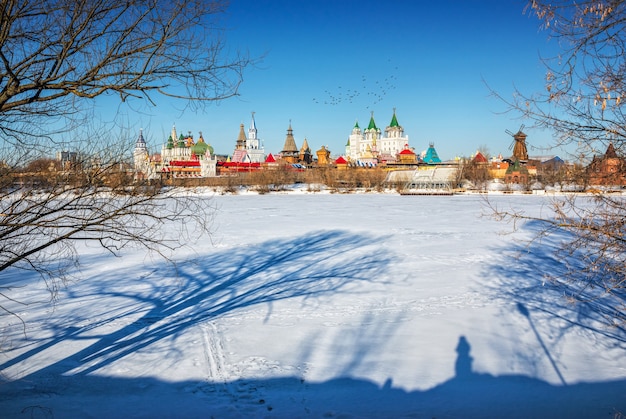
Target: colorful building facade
(369,146)
(181,158)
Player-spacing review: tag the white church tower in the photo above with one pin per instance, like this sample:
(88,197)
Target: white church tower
(394,140)
(370,140)
(253,141)
(254,147)
(141,157)
(354,140)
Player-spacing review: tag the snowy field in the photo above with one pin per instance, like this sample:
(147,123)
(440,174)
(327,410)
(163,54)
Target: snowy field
(318,306)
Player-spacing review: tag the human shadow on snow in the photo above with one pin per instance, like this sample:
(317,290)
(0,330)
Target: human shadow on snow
(466,395)
(307,267)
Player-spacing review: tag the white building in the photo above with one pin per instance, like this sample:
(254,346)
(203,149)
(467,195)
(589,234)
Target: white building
(141,158)
(394,140)
(250,149)
(370,146)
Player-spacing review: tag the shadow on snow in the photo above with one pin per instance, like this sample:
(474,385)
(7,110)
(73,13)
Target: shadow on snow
(466,395)
(308,267)
(205,289)
(544,283)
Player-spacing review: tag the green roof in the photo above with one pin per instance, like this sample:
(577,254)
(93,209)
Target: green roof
(516,167)
(372,124)
(394,120)
(200,147)
(170,142)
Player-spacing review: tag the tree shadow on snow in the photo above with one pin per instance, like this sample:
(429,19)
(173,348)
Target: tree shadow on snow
(466,395)
(537,284)
(203,289)
(522,276)
(307,267)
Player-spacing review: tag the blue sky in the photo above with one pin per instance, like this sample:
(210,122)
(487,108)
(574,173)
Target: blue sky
(327,64)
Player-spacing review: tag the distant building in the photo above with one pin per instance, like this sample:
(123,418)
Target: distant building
(520,150)
(394,141)
(270,162)
(517,173)
(430,156)
(306,156)
(248,149)
(141,158)
(407,156)
(178,159)
(341,163)
(480,158)
(68,159)
(552,163)
(370,146)
(607,170)
(323,156)
(240,155)
(354,142)
(290,153)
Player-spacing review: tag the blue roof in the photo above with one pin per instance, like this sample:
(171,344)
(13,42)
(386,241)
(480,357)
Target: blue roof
(431,155)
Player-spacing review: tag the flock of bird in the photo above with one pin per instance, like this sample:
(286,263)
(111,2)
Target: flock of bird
(373,92)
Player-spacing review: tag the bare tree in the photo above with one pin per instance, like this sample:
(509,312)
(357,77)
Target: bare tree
(94,200)
(56,57)
(56,54)
(475,172)
(582,105)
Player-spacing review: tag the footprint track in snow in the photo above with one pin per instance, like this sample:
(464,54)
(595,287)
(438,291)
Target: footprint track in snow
(213,353)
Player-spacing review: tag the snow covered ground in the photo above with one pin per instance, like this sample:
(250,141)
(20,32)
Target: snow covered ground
(317,305)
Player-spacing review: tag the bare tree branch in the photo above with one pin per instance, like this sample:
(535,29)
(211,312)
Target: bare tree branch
(59,48)
(583,105)
(56,57)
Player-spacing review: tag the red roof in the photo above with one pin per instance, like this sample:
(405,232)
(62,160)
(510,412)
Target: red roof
(237,164)
(480,158)
(270,159)
(233,166)
(406,151)
(341,160)
(185,163)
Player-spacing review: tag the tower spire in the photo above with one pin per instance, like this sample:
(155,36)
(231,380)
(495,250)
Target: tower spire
(174,136)
(140,143)
(252,134)
(372,124)
(394,120)
(241,139)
